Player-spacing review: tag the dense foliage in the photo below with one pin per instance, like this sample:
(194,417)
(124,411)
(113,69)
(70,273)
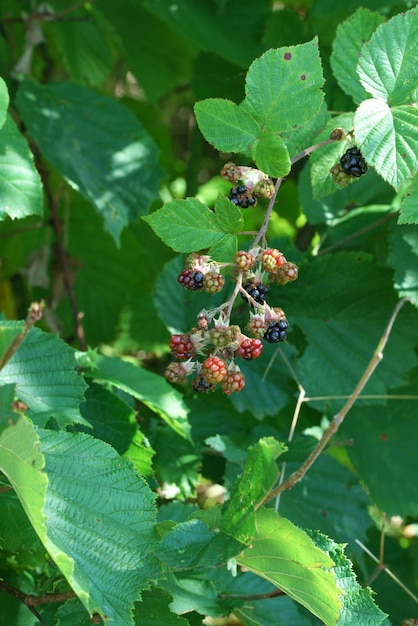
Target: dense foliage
(188,434)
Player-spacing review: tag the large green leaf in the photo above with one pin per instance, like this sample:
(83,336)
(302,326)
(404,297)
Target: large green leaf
(20,184)
(86,491)
(286,556)
(43,369)
(138,34)
(387,66)
(209,27)
(154,610)
(383,452)
(4,101)
(98,145)
(388,138)
(153,390)
(349,40)
(343,318)
(283,86)
(271,155)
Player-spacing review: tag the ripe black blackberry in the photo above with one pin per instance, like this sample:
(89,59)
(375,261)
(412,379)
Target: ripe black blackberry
(258,292)
(190,279)
(353,163)
(242,197)
(276,332)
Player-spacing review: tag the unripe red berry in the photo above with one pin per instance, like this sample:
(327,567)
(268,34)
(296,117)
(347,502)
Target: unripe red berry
(250,349)
(271,259)
(257,326)
(182,347)
(233,382)
(175,373)
(213,370)
(244,260)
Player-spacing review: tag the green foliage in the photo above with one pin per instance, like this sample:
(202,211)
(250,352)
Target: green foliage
(128,499)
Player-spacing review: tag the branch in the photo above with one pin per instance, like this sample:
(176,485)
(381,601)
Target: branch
(254,596)
(339,417)
(33,316)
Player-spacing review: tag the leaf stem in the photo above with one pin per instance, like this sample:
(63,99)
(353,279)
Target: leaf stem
(339,417)
(253,596)
(33,316)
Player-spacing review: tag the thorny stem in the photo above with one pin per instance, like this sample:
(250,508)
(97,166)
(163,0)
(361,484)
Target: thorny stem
(237,289)
(33,316)
(339,417)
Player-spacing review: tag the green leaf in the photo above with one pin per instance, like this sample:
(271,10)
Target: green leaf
(384,439)
(271,155)
(138,34)
(194,544)
(7,415)
(259,476)
(228,215)
(344,318)
(358,606)
(113,422)
(390,75)
(95,495)
(72,613)
(286,556)
(404,260)
(98,145)
(4,101)
(153,390)
(154,610)
(227,126)
(283,87)
(192,591)
(9,331)
(43,369)
(83,49)
(298,139)
(186,225)
(349,40)
(209,26)
(388,138)
(409,210)
(325,158)
(330,499)
(20,184)
(268,611)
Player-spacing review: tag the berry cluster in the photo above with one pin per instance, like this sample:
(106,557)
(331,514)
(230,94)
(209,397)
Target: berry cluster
(351,165)
(210,351)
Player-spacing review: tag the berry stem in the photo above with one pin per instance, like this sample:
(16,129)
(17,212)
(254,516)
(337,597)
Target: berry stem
(311,149)
(339,417)
(263,229)
(237,289)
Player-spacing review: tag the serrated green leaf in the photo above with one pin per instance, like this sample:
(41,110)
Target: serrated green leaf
(96,495)
(186,225)
(154,610)
(344,318)
(271,155)
(349,40)
(388,139)
(227,126)
(113,421)
(358,606)
(153,390)
(4,101)
(43,369)
(299,139)
(409,206)
(98,145)
(387,67)
(9,331)
(7,415)
(20,185)
(286,556)
(258,477)
(383,452)
(404,260)
(283,87)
